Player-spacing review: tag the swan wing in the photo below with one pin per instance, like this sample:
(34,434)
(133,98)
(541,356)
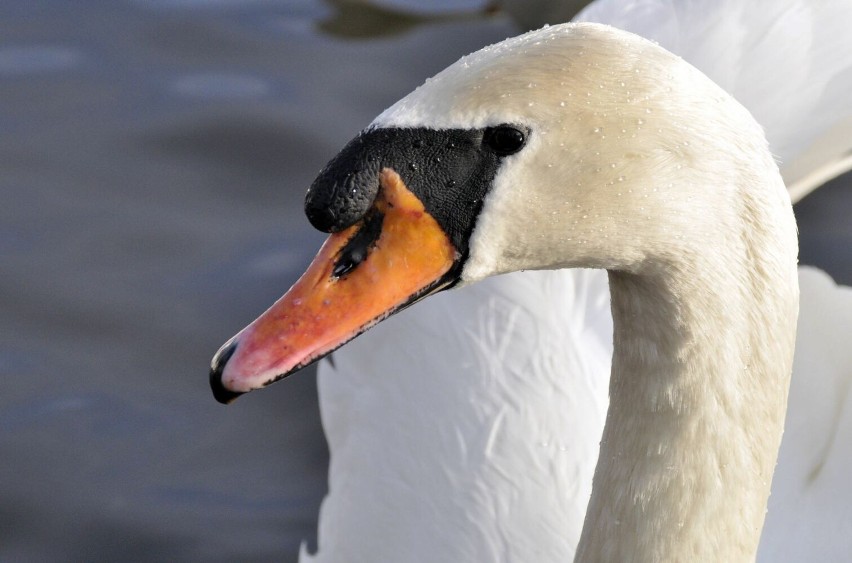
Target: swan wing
(450,424)
(809,517)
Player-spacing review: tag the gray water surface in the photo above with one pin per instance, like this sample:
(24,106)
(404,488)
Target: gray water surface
(153,159)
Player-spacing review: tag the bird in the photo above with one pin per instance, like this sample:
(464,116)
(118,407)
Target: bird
(508,432)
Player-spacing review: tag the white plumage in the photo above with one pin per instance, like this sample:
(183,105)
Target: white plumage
(463,456)
(789,62)
(810,517)
(467,428)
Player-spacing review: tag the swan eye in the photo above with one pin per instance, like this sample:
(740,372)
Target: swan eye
(505,139)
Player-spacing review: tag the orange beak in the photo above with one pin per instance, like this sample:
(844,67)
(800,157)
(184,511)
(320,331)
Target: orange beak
(395,255)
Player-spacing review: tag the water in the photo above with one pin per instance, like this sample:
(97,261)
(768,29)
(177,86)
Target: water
(153,159)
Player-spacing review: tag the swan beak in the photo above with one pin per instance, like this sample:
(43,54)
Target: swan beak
(394,256)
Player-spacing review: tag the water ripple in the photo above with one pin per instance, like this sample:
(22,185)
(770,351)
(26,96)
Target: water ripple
(221,85)
(28,59)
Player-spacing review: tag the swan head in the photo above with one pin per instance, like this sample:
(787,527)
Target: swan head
(576,145)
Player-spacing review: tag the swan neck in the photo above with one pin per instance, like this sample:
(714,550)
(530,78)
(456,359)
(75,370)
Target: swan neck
(697,400)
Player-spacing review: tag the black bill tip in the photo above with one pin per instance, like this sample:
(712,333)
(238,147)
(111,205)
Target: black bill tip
(217,366)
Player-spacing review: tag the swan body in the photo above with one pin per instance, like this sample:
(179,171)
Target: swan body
(809,516)
(601,208)
(627,126)
(386,406)
(499,245)
(511,412)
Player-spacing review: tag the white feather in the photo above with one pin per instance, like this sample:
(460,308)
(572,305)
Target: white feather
(788,61)
(444,449)
(810,517)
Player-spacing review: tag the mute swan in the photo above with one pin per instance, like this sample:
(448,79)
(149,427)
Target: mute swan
(484,444)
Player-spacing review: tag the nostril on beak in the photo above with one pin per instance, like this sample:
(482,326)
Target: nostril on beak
(217,366)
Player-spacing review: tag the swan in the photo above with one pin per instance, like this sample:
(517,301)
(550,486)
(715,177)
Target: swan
(490,440)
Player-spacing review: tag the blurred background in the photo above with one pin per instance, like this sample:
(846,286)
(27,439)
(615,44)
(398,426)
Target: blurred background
(154,155)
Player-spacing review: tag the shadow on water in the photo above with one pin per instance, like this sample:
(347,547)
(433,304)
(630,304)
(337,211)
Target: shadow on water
(244,145)
(353,19)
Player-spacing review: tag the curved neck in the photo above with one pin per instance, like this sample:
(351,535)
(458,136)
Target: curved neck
(697,400)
